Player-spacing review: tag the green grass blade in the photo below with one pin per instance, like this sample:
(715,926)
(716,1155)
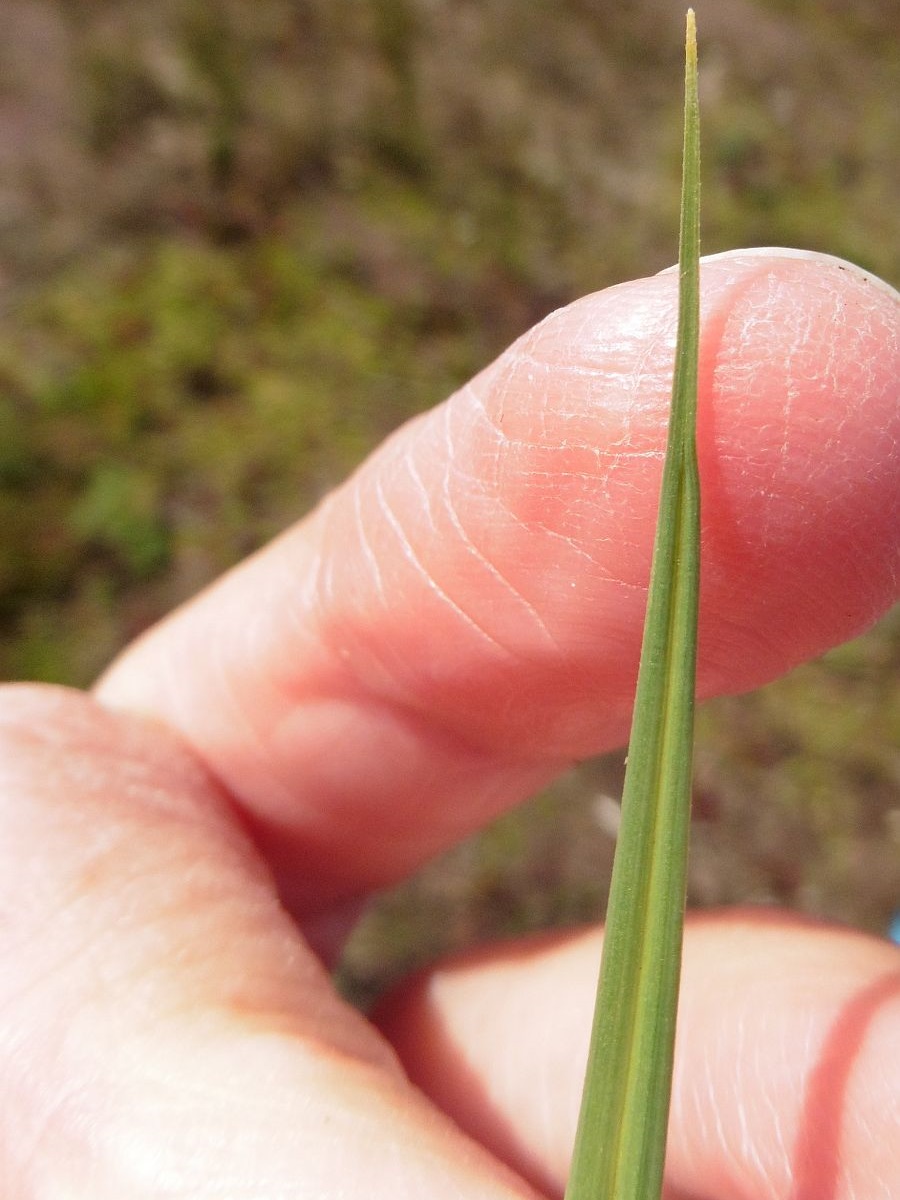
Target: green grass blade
(620,1144)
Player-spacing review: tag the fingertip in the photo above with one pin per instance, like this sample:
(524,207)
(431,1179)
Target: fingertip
(799,441)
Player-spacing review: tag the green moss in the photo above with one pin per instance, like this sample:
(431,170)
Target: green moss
(119,511)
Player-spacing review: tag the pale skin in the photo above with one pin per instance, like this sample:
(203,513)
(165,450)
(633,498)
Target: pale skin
(443,635)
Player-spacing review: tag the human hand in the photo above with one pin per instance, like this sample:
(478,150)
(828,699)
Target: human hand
(438,639)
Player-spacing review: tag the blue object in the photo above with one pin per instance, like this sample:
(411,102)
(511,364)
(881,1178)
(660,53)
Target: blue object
(894,928)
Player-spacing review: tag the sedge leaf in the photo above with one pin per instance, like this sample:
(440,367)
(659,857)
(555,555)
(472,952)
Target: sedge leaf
(620,1143)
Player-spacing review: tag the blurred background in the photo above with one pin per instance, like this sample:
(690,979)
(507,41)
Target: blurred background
(239,243)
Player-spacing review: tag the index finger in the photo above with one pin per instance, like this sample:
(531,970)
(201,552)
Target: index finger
(463,616)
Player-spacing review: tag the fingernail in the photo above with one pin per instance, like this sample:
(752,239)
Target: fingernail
(789,252)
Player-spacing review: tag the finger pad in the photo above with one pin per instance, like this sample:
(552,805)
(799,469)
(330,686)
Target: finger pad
(800,467)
